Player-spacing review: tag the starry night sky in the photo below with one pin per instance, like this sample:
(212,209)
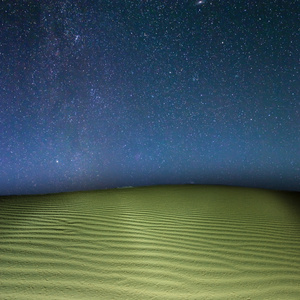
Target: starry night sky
(104,94)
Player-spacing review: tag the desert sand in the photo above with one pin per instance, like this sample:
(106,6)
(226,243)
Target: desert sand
(164,242)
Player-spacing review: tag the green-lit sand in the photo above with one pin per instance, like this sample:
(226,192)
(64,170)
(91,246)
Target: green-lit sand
(171,242)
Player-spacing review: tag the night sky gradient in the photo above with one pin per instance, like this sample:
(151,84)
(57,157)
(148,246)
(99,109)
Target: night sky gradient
(104,94)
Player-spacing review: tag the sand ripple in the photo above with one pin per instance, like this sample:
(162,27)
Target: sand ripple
(182,242)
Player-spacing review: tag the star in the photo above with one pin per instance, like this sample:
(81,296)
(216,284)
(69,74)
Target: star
(200,2)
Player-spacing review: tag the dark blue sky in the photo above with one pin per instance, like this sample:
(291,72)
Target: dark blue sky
(103,94)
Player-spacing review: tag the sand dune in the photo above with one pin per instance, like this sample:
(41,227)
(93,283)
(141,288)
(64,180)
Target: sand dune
(171,242)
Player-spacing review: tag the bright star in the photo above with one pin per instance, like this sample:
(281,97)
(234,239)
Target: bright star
(200,2)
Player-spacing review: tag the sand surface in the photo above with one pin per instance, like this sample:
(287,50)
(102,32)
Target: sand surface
(171,242)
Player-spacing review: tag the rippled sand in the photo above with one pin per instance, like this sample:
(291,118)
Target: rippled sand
(170,242)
